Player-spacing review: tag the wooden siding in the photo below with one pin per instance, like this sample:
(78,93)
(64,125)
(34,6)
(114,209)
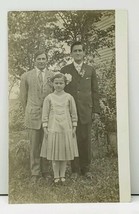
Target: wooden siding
(105,53)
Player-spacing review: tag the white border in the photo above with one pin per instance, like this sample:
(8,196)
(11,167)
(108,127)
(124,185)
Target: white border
(122,105)
(96,208)
(7,5)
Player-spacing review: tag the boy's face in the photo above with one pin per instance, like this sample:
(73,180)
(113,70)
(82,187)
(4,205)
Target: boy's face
(77,53)
(59,84)
(40,61)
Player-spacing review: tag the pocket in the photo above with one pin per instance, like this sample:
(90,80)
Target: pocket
(88,78)
(35,113)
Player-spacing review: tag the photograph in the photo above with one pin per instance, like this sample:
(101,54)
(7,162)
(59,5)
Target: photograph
(63,144)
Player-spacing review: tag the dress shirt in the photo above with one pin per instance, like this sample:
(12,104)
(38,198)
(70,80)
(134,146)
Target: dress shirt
(38,72)
(78,66)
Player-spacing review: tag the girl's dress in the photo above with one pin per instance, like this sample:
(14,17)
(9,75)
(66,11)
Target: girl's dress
(59,115)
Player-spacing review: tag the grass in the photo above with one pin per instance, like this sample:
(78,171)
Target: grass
(103,188)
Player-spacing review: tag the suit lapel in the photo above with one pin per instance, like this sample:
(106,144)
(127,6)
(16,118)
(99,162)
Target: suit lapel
(74,73)
(83,70)
(35,78)
(46,77)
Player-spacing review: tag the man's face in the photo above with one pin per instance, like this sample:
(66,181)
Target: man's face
(40,61)
(77,53)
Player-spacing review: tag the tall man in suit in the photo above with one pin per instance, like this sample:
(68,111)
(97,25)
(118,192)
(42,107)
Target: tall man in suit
(84,89)
(34,88)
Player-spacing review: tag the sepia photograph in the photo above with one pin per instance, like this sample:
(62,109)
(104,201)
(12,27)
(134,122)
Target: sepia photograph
(63,145)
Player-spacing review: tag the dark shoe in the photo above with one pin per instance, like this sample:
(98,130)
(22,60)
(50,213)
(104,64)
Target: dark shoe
(44,175)
(83,172)
(74,176)
(88,175)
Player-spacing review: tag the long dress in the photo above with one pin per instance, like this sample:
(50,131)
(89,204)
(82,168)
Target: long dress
(60,115)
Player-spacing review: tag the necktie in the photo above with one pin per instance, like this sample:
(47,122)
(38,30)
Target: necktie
(78,67)
(41,80)
(80,70)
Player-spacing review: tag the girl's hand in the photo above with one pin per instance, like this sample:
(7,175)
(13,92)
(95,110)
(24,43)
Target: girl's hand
(74,131)
(45,131)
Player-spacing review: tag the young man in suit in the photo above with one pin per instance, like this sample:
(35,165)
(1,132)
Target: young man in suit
(84,89)
(34,87)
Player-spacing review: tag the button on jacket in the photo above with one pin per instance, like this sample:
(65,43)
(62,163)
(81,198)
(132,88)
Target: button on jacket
(32,97)
(84,89)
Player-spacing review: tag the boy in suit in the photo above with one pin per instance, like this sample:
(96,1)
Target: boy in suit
(84,89)
(34,87)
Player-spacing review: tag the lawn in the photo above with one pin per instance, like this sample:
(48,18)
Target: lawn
(104,187)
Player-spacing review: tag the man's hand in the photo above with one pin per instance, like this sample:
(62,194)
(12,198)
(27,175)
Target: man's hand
(45,131)
(74,131)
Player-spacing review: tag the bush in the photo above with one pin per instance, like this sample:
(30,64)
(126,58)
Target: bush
(107,90)
(16,116)
(102,143)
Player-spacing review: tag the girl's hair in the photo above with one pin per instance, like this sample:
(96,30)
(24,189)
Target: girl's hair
(59,75)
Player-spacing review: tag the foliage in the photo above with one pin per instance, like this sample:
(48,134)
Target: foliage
(107,90)
(54,31)
(81,25)
(104,187)
(16,116)
(27,32)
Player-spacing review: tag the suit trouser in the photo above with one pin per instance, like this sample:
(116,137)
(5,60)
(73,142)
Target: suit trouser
(82,163)
(37,164)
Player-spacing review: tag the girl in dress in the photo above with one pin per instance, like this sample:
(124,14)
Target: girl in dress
(59,120)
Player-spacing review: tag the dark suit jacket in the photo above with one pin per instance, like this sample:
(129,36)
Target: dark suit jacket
(84,90)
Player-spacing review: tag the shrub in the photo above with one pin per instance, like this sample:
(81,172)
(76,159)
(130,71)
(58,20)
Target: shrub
(16,116)
(107,90)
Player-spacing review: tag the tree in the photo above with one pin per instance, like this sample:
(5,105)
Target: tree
(27,32)
(52,30)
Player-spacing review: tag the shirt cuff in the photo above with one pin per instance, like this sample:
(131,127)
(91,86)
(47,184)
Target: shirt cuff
(45,125)
(74,123)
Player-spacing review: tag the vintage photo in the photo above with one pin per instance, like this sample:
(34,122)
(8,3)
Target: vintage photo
(62,107)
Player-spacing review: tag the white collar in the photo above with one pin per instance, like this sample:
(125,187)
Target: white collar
(77,65)
(38,71)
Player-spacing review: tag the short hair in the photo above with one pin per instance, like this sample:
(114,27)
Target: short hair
(76,43)
(39,52)
(59,75)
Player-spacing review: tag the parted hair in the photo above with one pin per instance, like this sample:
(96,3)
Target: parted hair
(76,43)
(39,52)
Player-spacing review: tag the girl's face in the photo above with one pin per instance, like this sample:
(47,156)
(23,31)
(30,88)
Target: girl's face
(59,84)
